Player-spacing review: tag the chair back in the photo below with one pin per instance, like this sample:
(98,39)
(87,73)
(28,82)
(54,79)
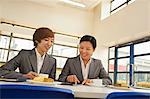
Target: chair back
(14,91)
(128,95)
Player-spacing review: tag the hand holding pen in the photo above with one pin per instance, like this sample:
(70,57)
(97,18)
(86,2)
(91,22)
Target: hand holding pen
(87,81)
(30,75)
(73,79)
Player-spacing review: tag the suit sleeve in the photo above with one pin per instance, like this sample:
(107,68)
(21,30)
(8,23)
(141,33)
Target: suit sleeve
(53,71)
(8,69)
(104,76)
(65,72)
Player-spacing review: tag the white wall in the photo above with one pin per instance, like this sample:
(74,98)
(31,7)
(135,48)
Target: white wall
(60,19)
(148,15)
(101,51)
(128,24)
(0,10)
(125,25)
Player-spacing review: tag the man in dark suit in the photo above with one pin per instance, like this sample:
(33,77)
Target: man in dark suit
(83,68)
(33,62)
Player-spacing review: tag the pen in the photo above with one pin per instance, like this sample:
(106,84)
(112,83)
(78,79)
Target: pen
(75,83)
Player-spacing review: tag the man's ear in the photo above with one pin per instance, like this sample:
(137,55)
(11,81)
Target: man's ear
(94,50)
(36,41)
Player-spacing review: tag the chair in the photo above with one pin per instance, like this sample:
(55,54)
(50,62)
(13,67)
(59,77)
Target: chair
(11,91)
(128,95)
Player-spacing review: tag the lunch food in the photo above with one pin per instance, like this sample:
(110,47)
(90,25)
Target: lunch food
(143,84)
(121,85)
(43,79)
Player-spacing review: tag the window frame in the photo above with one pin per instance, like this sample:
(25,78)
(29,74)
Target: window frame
(12,37)
(127,2)
(132,57)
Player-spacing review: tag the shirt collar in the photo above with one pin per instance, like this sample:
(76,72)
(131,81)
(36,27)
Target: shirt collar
(38,54)
(88,61)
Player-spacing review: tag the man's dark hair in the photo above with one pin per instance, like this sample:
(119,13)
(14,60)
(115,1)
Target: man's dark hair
(89,38)
(42,33)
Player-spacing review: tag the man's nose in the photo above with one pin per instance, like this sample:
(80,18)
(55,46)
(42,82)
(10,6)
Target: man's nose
(49,43)
(84,50)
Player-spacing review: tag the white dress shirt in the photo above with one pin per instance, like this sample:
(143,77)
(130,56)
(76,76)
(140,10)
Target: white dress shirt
(85,68)
(40,60)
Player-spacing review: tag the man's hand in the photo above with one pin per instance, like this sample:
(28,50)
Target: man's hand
(73,78)
(87,82)
(30,75)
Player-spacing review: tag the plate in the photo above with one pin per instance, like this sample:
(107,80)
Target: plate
(116,87)
(95,85)
(43,83)
(143,88)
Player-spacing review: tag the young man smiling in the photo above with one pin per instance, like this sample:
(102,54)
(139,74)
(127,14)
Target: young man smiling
(33,62)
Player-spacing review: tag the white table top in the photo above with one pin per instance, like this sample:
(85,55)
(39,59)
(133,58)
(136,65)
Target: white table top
(82,91)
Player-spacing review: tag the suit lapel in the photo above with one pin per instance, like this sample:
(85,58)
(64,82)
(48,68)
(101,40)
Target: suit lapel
(46,63)
(91,69)
(33,60)
(78,69)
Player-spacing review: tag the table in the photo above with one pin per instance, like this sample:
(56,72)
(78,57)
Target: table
(81,91)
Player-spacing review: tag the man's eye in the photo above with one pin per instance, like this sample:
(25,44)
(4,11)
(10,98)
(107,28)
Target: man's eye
(46,39)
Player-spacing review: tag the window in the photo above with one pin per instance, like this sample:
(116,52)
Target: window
(3,55)
(20,43)
(111,75)
(142,48)
(123,65)
(134,55)
(123,78)
(4,41)
(66,39)
(111,62)
(109,7)
(142,63)
(12,54)
(124,51)
(64,46)
(66,51)
(111,65)
(116,5)
(60,62)
(112,52)
(142,77)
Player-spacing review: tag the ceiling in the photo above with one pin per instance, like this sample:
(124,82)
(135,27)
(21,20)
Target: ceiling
(90,4)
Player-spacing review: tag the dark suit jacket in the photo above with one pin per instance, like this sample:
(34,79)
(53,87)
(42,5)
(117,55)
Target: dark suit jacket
(73,67)
(26,61)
